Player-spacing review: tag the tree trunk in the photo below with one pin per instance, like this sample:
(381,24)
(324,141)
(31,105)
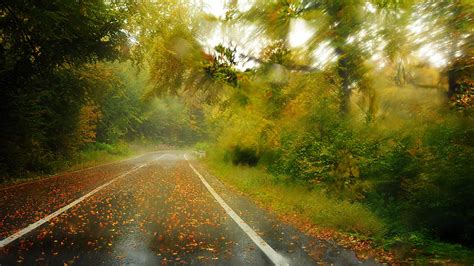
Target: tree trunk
(452,85)
(343,72)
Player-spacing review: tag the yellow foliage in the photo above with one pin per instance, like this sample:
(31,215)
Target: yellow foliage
(88,119)
(246,129)
(307,93)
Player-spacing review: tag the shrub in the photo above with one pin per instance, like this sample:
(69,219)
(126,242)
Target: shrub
(440,199)
(244,156)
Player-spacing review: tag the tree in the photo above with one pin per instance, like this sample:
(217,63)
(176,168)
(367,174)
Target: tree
(345,20)
(41,42)
(339,21)
(458,17)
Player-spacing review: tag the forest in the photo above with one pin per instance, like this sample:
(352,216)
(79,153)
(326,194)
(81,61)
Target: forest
(356,115)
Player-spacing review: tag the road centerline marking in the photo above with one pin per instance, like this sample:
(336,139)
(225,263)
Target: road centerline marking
(276,258)
(4,242)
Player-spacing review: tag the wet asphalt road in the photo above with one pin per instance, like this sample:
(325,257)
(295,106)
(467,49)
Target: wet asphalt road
(160,213)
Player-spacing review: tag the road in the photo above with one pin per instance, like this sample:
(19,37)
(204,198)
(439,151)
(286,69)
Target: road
(158,208)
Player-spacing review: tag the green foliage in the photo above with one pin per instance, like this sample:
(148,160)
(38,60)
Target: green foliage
(116,149)
(167,121)
(117,90)
(221,67)
(423,184)
(201,146)
(276,53)
(42,98)
(439,194)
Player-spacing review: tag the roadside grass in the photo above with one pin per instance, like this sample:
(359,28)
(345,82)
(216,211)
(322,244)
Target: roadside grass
(286,198)
(352,219)
(443,251)
(97,154)
(92,155)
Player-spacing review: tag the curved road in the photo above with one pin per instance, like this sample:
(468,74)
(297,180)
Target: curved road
(158,208)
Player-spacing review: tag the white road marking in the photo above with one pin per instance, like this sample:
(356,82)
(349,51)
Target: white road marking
(40,222)
(276,258)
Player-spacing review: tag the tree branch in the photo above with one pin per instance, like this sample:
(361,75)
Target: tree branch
(18,22)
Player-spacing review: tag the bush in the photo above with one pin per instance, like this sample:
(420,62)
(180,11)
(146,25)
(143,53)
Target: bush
(201,146)
(244,156)
(422,184)
(440,199)
(114,149)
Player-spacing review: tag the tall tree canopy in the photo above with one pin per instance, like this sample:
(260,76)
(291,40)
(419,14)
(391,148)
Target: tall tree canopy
(40,42)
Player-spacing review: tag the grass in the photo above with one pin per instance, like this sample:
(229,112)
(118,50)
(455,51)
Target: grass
(417,248)
(92,155)
(99,153)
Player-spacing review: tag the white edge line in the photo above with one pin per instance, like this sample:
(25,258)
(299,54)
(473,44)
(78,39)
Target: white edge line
(40,222)
(276,258)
